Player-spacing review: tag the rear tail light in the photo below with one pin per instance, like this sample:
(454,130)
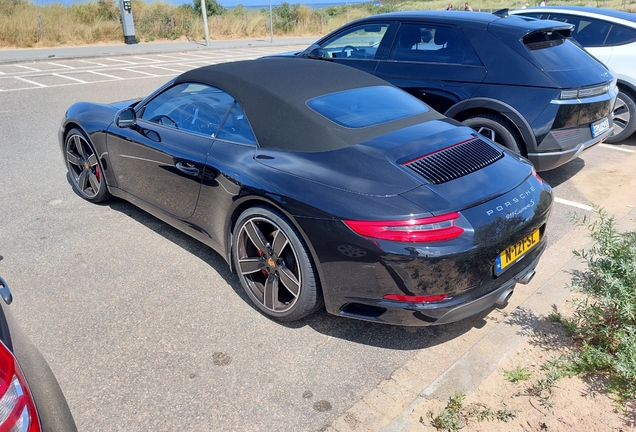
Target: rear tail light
(536,175)
(586,92)
(415,299)
(17,409)
(432,229)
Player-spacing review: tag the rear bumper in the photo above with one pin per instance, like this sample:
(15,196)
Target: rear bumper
(421,314)
(553,159)
(569,132)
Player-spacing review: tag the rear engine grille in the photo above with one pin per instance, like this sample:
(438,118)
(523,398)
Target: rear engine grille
(455,161)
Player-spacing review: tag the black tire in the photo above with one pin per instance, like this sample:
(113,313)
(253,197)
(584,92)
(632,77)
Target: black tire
(624,118)
(84,169)
(274,265)
(498,130)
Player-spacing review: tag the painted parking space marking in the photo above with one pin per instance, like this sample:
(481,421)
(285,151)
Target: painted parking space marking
(31,82)
(178,68)
(166,69)
(35,75)
(28,67)
(12,69)
(146,59)
(125,73)
(48,80)
(70,77)
(573,204)
(92,63)
(137,70)
(90,77)
(44,66)
(13,83)
(106,75)
(613,147)
(172,57)
(120,61)
(61,65)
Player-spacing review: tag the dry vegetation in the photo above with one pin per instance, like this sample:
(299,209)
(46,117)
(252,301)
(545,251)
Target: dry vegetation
(23,24)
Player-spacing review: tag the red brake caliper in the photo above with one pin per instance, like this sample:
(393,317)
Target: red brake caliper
(98,174)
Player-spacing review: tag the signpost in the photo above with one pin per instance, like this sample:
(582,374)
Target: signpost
(127,22)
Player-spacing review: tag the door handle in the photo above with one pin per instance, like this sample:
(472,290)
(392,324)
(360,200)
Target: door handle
(188,168)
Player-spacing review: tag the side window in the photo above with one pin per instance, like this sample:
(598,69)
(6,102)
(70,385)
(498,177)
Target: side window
(588,32)
(431,44)
(236,127)
(191,107)
(620,35)
(360,42)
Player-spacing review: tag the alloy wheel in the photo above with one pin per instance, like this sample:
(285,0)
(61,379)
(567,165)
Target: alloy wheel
(268,264)
(83,166)
(622,116)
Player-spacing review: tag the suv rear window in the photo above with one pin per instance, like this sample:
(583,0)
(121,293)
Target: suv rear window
(554,51)
(367,106)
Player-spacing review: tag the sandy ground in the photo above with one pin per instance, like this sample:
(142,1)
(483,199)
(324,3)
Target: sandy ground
(581,405)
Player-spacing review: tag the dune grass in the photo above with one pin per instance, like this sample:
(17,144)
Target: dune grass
(23,24)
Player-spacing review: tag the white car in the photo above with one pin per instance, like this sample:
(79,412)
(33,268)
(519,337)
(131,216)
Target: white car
(610,36)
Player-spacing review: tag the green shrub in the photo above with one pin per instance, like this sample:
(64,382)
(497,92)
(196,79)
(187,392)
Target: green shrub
(605,316)
(211,6)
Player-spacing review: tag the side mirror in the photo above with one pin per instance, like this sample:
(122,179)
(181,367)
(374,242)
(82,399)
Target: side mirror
(313,52)
(126,118)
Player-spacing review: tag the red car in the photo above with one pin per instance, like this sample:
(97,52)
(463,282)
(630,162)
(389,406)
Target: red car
(30,397)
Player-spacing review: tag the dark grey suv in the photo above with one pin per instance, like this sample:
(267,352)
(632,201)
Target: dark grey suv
(522,83)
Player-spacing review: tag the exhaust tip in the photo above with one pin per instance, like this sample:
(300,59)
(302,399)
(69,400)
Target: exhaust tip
(527,278)
(502,300)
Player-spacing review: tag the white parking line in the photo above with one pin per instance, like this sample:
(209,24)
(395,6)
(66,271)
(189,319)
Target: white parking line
(136,71)
(27,67)
(148,59)
(92,62)
(61,65)
(31,82)
(122,61)
(170,57)
(186,55)
(106,75)
(68,77)
(609,146)
(166,69)
(573,204)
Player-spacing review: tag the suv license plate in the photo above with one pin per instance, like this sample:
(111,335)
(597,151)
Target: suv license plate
(600,127)
(512,254)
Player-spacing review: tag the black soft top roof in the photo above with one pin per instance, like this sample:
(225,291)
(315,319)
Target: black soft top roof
(273,93)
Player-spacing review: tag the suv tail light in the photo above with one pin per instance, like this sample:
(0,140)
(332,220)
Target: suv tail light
(17,409)
(432,229)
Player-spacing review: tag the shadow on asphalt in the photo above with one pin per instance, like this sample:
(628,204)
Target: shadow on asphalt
(366,333)
(563,173)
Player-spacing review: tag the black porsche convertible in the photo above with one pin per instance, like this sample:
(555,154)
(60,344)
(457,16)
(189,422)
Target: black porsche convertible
(320,184)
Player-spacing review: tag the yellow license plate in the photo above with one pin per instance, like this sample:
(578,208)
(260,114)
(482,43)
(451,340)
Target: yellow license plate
(511,254)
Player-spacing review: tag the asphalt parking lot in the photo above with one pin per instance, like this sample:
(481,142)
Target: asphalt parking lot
(145,328)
